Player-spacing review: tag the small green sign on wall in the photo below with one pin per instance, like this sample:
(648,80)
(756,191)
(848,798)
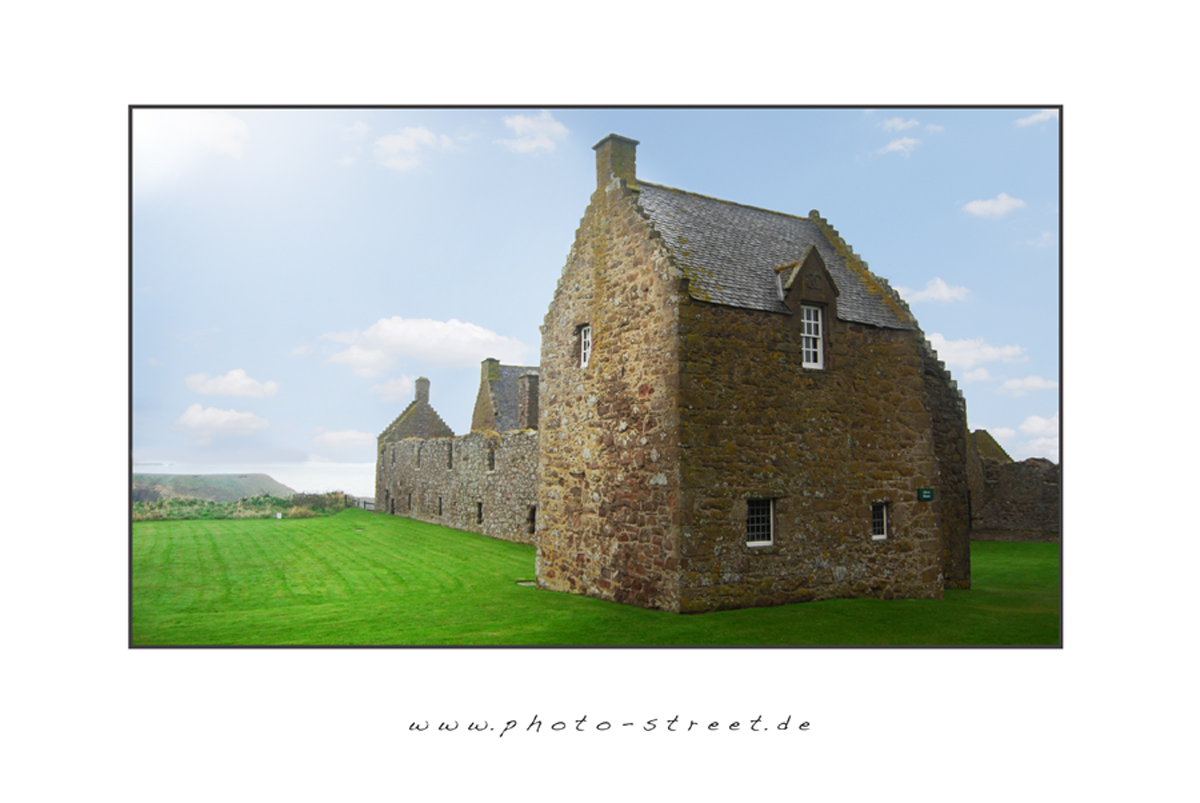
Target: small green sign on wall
(924,494)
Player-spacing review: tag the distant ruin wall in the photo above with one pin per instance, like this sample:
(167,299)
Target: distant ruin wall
(484,482)
(1017,501)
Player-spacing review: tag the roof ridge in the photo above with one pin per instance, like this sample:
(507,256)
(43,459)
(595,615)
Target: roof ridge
(722,200)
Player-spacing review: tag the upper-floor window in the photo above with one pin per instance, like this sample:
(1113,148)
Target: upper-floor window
(585,345)
(813,354)
(450,455)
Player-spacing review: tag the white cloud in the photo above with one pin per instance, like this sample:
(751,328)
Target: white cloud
(394,390)
(404,151)
(1036,425)
(904,146)
(1019,387)
(898,124)
(1040,117)
(211,421)
(166,142)
(934,128)
(364,361)
(969,353)
(302,351)
(540,133)
(356,131)
(344,439)
(450,342)
(1046,240)
(1001,205)
(978,375)
(234,383)
(345,161)
(1038,447)
(935,290)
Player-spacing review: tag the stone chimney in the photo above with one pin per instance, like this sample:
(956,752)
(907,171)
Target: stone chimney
(527,401)
(616,156)
(489,370)
(422,386)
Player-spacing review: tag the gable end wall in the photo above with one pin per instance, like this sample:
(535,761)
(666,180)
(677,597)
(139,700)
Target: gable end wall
(609,432)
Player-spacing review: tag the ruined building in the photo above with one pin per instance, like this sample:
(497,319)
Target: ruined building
(731,411)
(1011,501)
(484,482)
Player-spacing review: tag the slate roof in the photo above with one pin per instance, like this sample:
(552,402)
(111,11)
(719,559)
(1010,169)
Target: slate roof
(419,420)
(729,253)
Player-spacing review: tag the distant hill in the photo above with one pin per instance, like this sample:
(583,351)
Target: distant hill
(208,487)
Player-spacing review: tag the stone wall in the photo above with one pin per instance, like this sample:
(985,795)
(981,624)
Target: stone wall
(948,417)
(1018,502)
(686,410)
(609,431)
(824,444)
(484,482)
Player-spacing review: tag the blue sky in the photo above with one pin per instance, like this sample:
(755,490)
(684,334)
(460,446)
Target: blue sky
(295,270)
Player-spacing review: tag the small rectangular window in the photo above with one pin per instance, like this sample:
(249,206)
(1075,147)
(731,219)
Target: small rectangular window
(439,505)
(585,345)
(479,512)
(879,526)
(760,522)
(449,455)
(810,333)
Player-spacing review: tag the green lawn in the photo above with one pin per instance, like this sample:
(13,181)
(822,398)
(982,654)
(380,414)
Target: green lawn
(362,578)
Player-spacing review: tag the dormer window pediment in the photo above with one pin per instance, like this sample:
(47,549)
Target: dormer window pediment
(808,290)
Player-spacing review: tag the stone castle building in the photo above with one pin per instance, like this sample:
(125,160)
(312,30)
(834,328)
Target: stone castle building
(731,410)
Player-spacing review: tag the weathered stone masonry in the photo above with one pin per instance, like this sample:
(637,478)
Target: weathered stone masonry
(484,482)
(731,410)
(1012,501)
(694,404)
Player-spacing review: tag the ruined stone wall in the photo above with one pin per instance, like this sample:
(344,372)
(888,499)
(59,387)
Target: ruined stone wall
(1020,502)
(484,482)
(609,432)
(824,444)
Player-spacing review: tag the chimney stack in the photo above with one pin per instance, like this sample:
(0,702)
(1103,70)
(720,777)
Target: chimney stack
(422,386)
(527,401)
(616,156)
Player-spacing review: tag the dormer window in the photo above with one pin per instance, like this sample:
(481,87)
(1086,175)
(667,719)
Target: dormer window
(585,345)
(813,355)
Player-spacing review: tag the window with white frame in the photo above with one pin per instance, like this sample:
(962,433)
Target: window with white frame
(879,521)
(760,522)
(813,355)
(585,345)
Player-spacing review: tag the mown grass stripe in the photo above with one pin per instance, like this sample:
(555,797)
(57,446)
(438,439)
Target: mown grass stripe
(362,578)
